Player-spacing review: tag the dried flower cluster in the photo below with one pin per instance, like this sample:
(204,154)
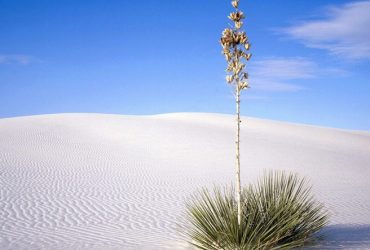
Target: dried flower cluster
(235,46)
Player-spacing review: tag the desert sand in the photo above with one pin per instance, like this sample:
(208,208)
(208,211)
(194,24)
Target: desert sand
(96,181)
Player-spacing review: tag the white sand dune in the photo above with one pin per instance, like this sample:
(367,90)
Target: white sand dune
(94,181)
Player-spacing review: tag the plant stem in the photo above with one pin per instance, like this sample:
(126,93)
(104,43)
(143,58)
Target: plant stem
(237,142)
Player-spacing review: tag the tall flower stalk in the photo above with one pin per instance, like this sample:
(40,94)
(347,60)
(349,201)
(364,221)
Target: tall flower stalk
(235,45)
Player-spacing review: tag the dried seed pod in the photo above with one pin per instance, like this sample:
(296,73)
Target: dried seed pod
(242,37)
(227,38)
(236,39)
(235,3)
(239,67)
(243,85)
(229,67)
(248,56)
(236,16)
(229,78)
(239,24)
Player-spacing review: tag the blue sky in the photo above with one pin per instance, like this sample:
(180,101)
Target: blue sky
(310,64)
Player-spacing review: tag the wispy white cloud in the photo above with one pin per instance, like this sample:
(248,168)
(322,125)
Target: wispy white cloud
(281,74)
(275,86)
(16,59)
(344,31)
(254,97)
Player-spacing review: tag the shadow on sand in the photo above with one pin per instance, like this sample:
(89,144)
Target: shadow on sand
(344,237)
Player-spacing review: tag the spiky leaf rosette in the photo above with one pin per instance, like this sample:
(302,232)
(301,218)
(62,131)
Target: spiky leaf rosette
(279,212)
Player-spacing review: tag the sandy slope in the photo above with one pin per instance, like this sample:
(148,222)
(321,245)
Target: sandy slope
(93,181)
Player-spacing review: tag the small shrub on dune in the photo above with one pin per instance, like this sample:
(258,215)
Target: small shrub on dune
(279,212)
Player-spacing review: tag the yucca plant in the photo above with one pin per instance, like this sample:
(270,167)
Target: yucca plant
(279,212)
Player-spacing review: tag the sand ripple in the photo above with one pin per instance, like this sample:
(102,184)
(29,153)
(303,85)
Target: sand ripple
(90,181)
